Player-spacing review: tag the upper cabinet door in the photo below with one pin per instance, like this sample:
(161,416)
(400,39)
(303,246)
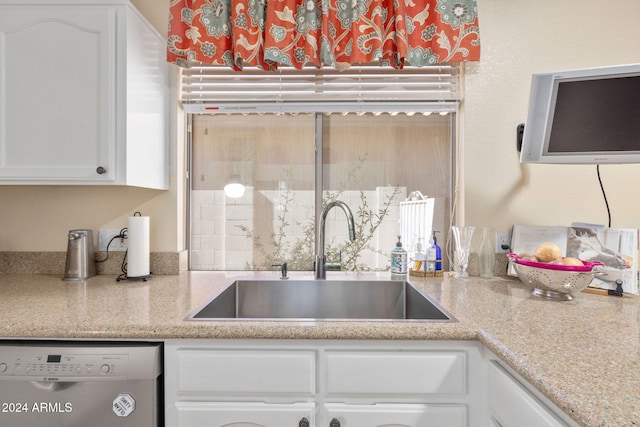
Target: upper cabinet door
(57,93)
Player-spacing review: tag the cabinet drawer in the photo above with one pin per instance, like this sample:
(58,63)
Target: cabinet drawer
(394,372)
(411,415)
(218,414)
(512,405)
(246,371)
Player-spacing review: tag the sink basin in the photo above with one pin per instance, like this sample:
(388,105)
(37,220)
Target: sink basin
(371,300)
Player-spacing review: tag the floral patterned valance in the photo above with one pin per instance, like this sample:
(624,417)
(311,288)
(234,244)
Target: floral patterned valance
(336,33)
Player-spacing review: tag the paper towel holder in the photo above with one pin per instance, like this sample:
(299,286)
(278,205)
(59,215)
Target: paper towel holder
(125,263)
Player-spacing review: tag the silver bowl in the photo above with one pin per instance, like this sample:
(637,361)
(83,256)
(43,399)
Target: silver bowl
(554,281)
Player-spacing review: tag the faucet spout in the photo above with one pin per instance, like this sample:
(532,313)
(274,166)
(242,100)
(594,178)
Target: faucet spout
(320,258)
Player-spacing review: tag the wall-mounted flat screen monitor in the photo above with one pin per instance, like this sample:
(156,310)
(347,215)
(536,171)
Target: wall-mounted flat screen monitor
(587,116)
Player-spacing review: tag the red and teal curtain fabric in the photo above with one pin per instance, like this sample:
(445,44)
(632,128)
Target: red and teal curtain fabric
(335,33)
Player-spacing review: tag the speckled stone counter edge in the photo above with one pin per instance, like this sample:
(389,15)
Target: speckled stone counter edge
(54,262)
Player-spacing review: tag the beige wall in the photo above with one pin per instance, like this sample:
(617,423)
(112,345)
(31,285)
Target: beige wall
(519,37)
(156,11)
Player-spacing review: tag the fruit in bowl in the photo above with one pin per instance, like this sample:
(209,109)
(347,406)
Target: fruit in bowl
(572,261)
(548,252)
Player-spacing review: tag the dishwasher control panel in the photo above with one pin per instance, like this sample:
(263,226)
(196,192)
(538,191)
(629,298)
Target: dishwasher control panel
(61,364)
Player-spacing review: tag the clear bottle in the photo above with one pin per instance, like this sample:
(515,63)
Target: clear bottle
(486,254)
(398,259)
(420,258)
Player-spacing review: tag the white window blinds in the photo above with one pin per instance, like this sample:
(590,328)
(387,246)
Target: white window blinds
(210,89)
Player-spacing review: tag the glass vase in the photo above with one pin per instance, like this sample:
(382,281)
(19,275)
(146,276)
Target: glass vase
(487,254)
(462,246)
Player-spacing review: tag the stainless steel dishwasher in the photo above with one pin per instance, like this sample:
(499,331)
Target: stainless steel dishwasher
(78,384)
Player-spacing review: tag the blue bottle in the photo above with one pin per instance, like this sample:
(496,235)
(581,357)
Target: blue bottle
(434,245)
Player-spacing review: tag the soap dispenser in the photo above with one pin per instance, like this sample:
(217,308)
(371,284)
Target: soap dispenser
(398,259)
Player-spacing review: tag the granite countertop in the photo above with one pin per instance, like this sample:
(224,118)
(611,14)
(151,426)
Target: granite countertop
(584,354)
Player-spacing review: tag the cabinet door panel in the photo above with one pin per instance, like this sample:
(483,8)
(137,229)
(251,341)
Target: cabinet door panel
(243,414)
(247,372)
(513,406)
(57,102)
(389,372)
(397,415)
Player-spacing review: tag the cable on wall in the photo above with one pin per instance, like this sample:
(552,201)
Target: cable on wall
(123,266)
(604,194)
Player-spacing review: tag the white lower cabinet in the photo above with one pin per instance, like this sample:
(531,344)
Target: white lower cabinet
(335,383)
(512,403)
(342,383)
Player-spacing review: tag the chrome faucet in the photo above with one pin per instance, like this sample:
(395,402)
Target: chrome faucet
(283,270)
(320,259)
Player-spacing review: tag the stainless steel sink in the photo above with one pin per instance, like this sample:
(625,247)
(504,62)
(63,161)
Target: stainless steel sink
(370,300)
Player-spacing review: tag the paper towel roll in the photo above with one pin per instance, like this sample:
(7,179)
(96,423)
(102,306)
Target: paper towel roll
(138,247)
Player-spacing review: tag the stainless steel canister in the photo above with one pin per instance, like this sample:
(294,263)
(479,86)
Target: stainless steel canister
(81,261)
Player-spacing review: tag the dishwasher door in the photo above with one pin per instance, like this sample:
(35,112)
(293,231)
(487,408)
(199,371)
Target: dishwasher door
(78,385)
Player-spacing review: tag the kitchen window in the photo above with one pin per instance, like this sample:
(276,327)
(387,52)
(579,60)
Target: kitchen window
(373,155)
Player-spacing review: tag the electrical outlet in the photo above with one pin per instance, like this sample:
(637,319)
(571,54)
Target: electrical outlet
(503,239)
(105,236)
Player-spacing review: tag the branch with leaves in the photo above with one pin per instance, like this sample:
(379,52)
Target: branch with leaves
(300,253)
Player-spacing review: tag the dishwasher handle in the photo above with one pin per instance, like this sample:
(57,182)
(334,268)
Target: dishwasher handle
(52,386)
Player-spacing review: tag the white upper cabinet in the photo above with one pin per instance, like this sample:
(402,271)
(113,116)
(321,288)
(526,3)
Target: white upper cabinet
(83,95)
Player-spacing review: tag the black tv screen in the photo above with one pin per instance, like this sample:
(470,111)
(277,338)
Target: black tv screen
(596,115)
(586,116)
